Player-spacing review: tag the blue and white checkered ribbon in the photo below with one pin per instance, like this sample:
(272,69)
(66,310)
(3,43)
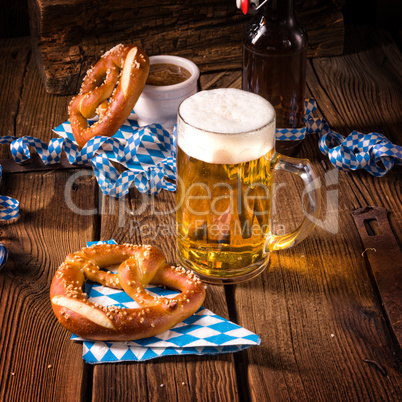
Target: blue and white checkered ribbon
(148,153)
(202,333)
(9,210)
(356,151)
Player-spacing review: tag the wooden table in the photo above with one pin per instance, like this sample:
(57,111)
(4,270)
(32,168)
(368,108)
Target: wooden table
(317,309)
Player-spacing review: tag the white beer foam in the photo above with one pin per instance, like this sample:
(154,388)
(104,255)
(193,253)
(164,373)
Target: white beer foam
(226,126)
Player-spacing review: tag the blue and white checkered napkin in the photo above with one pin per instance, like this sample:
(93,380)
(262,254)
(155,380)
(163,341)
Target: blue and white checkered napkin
(356,151)
(204,333)
(9,209)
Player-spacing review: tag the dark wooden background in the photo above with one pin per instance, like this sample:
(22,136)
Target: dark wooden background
(14,17)
(68,37)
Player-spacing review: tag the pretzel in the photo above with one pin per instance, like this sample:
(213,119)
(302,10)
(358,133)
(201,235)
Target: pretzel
(128,62)
(138,267)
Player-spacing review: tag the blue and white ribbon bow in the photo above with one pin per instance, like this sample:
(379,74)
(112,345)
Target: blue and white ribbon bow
(356,151)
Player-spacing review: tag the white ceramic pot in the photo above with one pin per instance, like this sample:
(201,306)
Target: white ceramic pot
(159,104)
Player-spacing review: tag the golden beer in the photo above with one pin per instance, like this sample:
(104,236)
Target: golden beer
(225,166)
(223,215)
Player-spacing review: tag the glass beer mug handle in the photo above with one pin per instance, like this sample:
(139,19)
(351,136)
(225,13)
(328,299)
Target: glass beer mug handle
(312,192)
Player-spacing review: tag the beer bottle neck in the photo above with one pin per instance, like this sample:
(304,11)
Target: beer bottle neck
(276,10)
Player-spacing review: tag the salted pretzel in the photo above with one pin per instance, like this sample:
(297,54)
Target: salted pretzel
(124,65)
(138,267)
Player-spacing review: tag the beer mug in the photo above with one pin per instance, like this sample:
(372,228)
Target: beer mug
(225,170)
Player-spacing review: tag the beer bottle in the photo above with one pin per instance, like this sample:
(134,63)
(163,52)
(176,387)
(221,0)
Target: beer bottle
(274,62)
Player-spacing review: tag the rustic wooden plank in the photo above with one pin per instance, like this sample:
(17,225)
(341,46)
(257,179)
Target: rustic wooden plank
(26,108)
(207,32)
(319,324)
(385,258)
(322,327)
(365,99)
(39,111)
(325,30)
(357,76)
(14,58)
(39,362)
(35,164)
(221,79)
(145,219)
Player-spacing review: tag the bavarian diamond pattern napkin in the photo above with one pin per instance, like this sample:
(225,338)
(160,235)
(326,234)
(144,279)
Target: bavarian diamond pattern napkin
(204,333)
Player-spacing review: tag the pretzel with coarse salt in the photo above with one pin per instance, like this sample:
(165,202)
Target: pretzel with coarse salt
(124,65)
(138,267)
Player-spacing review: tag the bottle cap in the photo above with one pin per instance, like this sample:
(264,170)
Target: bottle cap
(245,4)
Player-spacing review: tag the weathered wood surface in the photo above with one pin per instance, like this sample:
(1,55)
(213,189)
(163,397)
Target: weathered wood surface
(316,309)
(38,361)
(68,37)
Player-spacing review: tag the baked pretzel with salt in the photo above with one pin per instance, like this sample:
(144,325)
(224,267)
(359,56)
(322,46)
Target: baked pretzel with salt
(138,267)
(124,65)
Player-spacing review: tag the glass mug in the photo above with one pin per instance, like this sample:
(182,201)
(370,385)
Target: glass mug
(225,169)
